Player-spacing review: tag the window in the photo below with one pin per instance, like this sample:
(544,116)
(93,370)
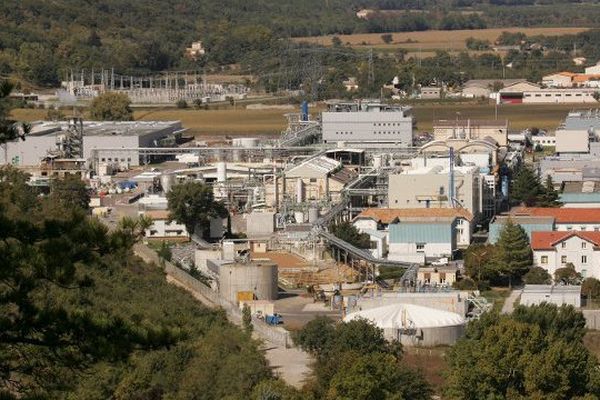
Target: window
(544,260)
(563,245)
(584,273)
(582,228)
(584,259)
(597,228)
(569,228)
(420,246)
(313,180)
(563,259)
(583,245)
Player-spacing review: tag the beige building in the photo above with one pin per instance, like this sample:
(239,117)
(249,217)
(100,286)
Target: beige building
(437,276)
(471,129)
(484,87)
(559,80)
(428,188)
(431,92)
(315,179)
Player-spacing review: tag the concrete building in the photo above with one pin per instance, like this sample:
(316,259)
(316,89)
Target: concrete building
(540,219)
(417,240)
(559,295)
(367,123)
(484,87)
(431,93)
(437,276)
(429,188)
(96,135)
(516,95)
(583,194)
(315,179)
(553,250)
(162,229)
(472,129)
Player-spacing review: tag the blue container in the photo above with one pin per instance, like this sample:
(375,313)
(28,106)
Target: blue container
(304,111)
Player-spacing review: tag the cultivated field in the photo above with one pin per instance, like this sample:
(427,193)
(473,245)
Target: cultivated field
(270,122)
(433,40)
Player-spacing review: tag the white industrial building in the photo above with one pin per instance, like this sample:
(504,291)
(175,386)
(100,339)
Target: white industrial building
(164,229)
(45,138)
(559,295)
(367,123)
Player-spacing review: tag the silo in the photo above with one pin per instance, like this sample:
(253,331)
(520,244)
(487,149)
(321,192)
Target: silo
(166,182)
(221,171)
(257,276)
(299,190)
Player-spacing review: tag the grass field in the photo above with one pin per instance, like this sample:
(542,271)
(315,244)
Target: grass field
(270,122)
(433,40)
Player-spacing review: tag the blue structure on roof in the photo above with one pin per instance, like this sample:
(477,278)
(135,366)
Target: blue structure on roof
(417,232)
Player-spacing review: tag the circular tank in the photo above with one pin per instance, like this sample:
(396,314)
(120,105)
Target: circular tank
(414,325)
(258,276)
(166,182)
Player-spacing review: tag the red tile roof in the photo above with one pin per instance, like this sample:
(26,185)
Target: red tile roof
(561,215)
(547,240)
(387,215)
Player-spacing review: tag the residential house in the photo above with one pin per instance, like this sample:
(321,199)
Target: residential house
(553,250)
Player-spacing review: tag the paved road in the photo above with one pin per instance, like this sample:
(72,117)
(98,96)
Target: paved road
(509,303)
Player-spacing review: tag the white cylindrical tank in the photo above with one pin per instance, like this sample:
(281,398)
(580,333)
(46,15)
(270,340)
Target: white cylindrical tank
(299,217)
(221,171)
(313,215)
(414,325)
(166,182)
(377,161)
(299,191)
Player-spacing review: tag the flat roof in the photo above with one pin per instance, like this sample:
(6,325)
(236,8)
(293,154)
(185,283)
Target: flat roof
(106,128)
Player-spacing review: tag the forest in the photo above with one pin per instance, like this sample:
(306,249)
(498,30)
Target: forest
(41,41)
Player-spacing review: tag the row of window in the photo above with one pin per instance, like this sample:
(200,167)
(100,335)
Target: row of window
(386,124)
(387,132)
(116,159)
(344,133)
(564,245)
(559,95)
(563,260)
(583,228)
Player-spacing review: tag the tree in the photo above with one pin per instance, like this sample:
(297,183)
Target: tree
(526,355)
(247,319)
(526,187)
(567,275)
(182,104)
(348,233)
(71,192)
(111,106)
(590,287)
(549,195)
(9,129)
(480,262)
(387,38)
(192,204)
(336,41)
(537,276)
(316,336)
(514,253)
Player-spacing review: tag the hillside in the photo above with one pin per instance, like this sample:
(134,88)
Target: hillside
(40,41)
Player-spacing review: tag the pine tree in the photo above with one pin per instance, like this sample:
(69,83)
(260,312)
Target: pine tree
(549,198)
(514,253)
(526,187)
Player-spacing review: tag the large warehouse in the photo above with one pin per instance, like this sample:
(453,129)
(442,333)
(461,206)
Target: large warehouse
(46,136)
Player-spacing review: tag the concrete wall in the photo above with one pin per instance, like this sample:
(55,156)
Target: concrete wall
(368,127)
(260,278)
(260,223)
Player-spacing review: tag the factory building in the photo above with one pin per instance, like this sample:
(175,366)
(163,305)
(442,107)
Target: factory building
(583,194)
(47,138)
(429,188)
(315,179)
(472,129)
(367,123)
(420,239)
(540,219)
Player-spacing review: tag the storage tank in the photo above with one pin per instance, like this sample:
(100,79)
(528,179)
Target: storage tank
(299,217)
(377,161)
(166,182)
(414,325)
(221,171)
(313,214)
(258,276)
(299,191)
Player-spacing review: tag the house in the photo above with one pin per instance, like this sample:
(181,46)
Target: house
(579,60)
(195,51)
(553,250)
(164,229)
(431,92)
(595,69)
(437,276)
(364,13)
(351,84)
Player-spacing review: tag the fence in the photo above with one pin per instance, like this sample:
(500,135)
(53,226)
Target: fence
(275,335)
